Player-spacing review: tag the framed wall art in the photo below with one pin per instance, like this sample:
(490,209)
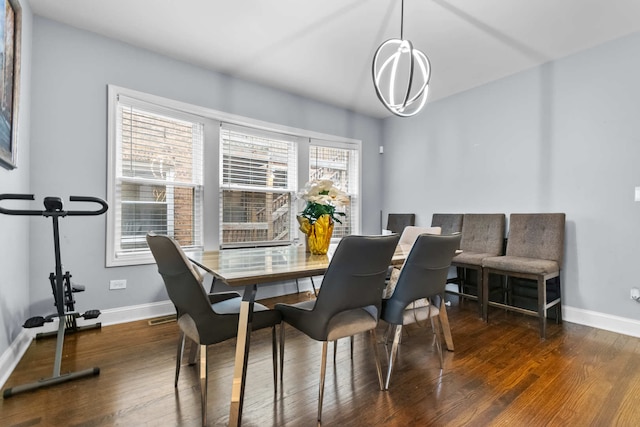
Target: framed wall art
(10,33)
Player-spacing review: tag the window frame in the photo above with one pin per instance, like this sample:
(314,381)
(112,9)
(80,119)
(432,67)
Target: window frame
(213,119)
(355,198)
(114,257)
(290,189)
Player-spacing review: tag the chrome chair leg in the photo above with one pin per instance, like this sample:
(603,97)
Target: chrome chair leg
(179,357)
(203,382)
(374,343)
(323,370)
(436,330)
(394,352)
(274,352)
(281,351)
(352,347)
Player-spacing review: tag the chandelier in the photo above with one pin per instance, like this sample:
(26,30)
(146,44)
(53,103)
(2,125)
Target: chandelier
(401,75)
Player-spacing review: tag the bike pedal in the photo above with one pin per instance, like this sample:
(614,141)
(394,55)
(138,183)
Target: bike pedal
(91,314)
(34,322)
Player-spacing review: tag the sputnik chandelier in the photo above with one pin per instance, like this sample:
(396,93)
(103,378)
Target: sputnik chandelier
(401,75)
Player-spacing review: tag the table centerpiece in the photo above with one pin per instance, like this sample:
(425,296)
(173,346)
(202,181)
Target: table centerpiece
(316,221)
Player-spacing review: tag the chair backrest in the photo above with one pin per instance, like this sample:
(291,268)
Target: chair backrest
(539,236)
(355,278)
(424,273)
(449,223)
(483,233)
(397,222)
(411,233)
(185,289)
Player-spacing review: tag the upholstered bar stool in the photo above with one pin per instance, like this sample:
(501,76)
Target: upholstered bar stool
(534,252)
(482,237)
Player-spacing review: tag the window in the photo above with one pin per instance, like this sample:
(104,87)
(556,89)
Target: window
(339,163)
(212,180)
(156,179)
(258,185)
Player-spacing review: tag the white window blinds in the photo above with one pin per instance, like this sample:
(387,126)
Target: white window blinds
(158,176)
(258,184)
(339,163)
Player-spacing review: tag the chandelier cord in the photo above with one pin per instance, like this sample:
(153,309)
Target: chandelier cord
(402,20)
(397,70)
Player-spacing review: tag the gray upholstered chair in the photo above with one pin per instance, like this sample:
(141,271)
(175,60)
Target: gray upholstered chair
(348,301)
(397,222)
(407,239)
(449,223)
(534,252)
(423,275)
(204,319)
(482,237)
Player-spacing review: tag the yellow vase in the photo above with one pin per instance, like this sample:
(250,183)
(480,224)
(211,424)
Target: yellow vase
(318,234)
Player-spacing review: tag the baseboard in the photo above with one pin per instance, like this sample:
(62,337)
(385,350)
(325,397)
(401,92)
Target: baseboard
(608,322)
(132,313)
(10,358)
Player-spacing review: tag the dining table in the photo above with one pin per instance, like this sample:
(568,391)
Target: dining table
(253,267)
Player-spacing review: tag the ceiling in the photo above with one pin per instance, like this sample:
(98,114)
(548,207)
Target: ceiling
(322,49)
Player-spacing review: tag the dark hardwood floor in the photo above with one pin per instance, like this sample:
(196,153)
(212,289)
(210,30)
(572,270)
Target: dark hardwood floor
(500,374)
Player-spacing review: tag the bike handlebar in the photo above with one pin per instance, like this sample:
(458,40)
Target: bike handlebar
(102,203)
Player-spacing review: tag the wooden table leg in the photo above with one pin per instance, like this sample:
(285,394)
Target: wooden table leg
(242,355)
(444,319)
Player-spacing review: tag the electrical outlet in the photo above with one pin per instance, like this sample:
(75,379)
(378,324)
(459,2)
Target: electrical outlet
(118,284)
(635,294)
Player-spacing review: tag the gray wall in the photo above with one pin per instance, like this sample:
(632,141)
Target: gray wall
(564,137)
(14,230)
(69,146)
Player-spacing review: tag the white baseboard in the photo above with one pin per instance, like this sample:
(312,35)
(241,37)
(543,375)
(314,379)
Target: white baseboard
(10,358)
(132,313)
(608,322)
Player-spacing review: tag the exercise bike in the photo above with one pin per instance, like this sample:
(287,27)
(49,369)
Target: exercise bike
(61,287)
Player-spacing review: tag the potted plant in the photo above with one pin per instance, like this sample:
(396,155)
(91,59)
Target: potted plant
(316,221)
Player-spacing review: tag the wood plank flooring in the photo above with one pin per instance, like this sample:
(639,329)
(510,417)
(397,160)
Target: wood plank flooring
(501,374)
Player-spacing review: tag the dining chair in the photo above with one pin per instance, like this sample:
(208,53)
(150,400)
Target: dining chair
(534,252)
(348,301)
(449,223)
(423,276)
(482,237)
(397,222)
(205,319)
(411,233)
(407,239)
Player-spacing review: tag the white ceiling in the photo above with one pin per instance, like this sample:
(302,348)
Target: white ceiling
(323,49)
